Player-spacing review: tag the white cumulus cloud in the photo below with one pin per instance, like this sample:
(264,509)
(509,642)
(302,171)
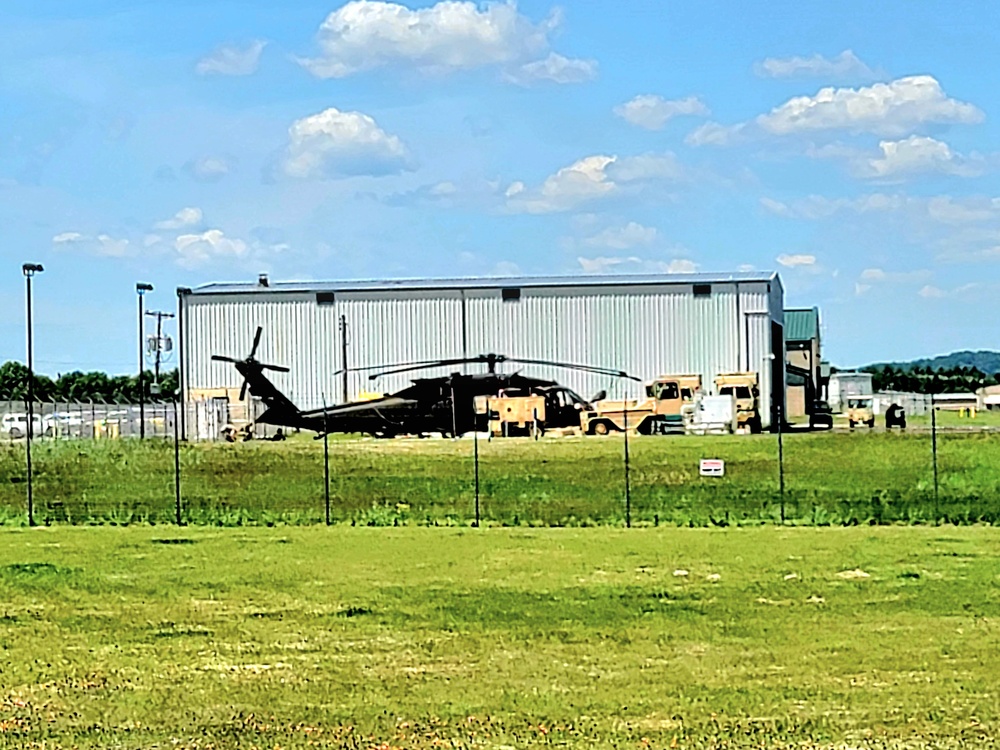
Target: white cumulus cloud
(714,134)
(103,244)
(555,69)
(186,217)
(194,250)
(232,60)
(68,237)
(928,291)
(920,155)
(652,112)
(368,34)
(628,236)
(592,178)
(883,108)
(844,65)
(891,109)
(336,144)
(796,260)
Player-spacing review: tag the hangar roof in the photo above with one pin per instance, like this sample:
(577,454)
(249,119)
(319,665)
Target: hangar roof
(382,285)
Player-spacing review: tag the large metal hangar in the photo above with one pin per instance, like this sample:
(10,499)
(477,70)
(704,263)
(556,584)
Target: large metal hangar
(646,325)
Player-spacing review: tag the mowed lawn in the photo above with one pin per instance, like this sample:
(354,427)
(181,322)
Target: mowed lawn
(422,637)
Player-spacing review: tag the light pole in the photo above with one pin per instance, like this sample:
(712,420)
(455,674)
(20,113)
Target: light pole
(29,270)
(140,290)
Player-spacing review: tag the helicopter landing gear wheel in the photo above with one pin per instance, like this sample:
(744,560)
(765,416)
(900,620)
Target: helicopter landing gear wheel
(601,428)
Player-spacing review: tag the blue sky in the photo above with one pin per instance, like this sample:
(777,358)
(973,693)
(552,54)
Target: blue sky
(851,146)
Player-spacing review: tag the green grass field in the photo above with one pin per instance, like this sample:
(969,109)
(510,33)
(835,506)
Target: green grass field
(830,479)
(499,638)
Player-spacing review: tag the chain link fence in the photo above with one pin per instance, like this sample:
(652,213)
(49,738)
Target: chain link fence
(830,478)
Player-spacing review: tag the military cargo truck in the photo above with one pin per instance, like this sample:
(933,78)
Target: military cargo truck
(669,401)
(742,386)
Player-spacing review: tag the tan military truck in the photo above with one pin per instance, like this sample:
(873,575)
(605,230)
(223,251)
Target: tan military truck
(669,401)
(742,386)
(860,411)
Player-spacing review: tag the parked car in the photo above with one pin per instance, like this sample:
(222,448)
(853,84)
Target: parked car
(821,416)
(62,424)
(15,425)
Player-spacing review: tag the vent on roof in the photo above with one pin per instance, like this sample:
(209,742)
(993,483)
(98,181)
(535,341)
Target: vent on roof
(510,294)
(325,298)
(262,280)
(702,290)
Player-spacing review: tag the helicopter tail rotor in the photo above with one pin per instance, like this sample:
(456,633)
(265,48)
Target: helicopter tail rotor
(250,364)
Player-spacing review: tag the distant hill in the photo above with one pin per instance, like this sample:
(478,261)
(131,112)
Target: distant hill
(984,360)
(958,372)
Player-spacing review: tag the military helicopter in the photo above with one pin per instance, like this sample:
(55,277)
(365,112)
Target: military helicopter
(444,405)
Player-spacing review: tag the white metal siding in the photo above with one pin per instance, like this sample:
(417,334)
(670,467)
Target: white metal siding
(646,330)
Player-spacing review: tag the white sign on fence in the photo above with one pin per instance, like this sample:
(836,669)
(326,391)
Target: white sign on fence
(712,467)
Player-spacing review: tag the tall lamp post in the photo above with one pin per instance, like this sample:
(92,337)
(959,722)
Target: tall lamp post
(140,290)
(29,270)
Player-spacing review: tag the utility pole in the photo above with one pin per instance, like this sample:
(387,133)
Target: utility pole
(160,317)
(343,355)
(140,290)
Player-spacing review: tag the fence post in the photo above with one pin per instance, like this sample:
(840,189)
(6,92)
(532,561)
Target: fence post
(326,464)
(628,487)
(475,449)
(937,500)
(781,464)
(177,468)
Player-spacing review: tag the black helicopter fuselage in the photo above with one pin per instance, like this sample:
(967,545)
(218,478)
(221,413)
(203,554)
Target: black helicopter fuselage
(444,405)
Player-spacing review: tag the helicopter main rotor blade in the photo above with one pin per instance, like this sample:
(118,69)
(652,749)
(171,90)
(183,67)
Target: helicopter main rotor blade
(571,366)
(243,389)
(426,365)
(367,368)
(221,358)
(276,368)
(256,342)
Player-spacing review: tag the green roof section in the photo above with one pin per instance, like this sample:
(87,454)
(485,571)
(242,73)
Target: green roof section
(802,324)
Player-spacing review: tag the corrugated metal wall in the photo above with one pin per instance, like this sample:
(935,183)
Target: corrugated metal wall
(645,330)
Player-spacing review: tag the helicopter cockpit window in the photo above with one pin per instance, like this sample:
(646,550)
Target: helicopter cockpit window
(687,394)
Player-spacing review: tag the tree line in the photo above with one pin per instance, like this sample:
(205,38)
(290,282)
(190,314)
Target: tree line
(98,387)
(926,379)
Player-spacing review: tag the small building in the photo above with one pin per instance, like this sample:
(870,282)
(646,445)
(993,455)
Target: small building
(989,397)
(843,385)
(956,401)
(805,380)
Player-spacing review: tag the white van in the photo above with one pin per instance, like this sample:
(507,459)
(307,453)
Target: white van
(16,425)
